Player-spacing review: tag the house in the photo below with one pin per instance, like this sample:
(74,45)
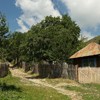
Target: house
(87,61)
(88,56)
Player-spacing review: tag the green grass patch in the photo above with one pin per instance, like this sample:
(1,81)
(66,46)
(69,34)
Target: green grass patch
(59,80)
(87,91)
(11,88)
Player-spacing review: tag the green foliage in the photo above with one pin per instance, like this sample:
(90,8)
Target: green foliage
(52,39)
(3,26)
(15,47)
(3,36)
(82,43)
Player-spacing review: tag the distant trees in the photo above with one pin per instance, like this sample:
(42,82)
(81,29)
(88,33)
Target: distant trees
(15,47)
(53,39)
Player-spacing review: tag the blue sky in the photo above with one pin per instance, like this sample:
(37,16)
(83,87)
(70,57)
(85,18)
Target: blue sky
(8,8)
(22,14)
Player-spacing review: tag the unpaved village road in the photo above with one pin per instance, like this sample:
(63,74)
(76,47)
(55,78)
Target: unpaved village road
(42,82)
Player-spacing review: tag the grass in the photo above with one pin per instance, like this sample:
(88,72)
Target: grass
(87,91)
(59,80)
(11,88)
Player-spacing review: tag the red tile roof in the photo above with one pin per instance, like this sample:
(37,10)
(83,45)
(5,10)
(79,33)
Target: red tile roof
(90,50)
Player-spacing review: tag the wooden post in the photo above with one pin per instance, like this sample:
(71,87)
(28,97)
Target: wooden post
(76,72)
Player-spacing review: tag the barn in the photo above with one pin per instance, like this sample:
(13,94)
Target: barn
(87,61)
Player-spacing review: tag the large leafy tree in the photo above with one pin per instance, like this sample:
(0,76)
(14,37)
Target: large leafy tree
(53,39)
(3,36)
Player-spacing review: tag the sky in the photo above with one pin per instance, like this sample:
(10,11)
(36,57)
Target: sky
(22,14)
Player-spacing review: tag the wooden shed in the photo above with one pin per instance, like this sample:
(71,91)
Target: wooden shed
(87,61)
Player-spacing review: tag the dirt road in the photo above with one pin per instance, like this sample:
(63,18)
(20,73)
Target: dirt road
(42,82)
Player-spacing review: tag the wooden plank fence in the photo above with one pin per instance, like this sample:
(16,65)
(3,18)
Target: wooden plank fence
(53,71)
(72,72)
(4,70)
(89,75)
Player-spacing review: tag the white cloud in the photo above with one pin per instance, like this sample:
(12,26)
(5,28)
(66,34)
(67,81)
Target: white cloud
(21,24)
(87,35)
(33,11)
(85,12)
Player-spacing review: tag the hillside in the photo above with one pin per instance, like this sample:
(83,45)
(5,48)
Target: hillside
(95,39)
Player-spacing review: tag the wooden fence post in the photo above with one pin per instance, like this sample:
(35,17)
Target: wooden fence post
(76,72)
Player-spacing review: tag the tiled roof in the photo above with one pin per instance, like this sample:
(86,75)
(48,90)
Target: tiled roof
(90,50)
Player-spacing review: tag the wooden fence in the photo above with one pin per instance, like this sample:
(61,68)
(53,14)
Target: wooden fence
(50,71)
(89,75)
(4,70)
(72,72)
(53,71)
(81,74)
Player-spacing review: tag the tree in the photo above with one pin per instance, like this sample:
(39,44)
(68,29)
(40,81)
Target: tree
(3,36)
(15,47)
(3,27)
(54,39)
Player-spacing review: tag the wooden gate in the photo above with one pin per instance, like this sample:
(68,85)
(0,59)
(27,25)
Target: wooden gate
(73,72)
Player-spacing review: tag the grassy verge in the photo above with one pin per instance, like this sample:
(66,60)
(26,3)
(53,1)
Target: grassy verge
(87,91)
(12,88)
(59,80)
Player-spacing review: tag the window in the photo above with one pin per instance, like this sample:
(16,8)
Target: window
(84,62)
(91,62)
